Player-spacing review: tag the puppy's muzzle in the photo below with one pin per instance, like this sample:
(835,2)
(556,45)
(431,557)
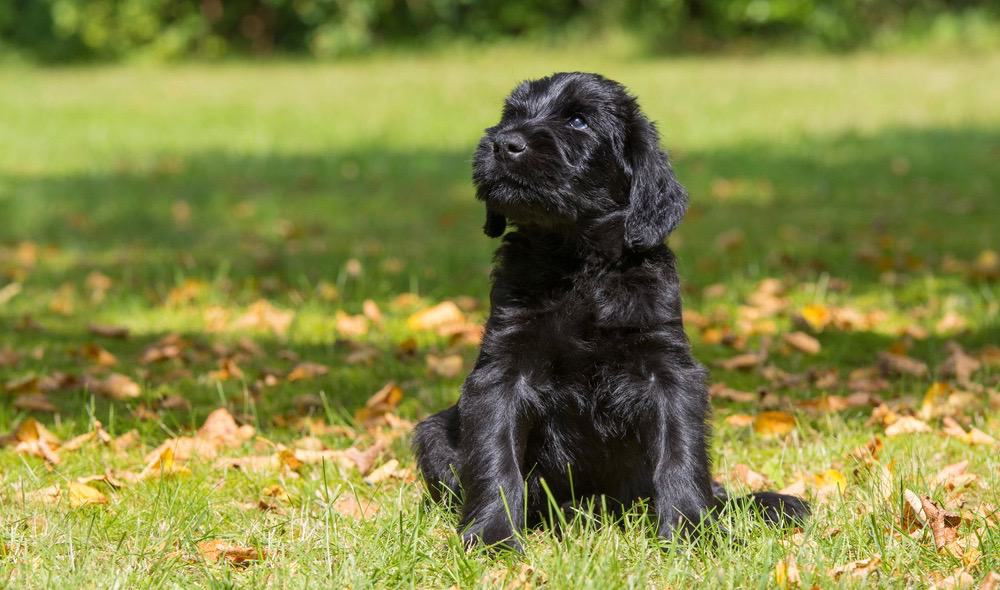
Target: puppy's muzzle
(510,145)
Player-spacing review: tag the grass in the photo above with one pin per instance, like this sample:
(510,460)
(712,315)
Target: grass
(197,190)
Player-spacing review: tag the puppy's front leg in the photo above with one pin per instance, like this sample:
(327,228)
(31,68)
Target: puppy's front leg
(677,436)
(494,431)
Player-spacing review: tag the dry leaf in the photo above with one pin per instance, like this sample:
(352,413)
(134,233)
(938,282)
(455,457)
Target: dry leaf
(773,423)
(955,476)
(829,484)
(796,488)
(263,316)
(973,437)
(381,402)
(82,495)
(442,314)
(371,311)
(898,364)
(934,395)
(803,342)
(47,495)
(446,366)
(786,573)
(860,568)
(34,439)
(723,391)
(221,428)
(943,524)
(307,370)
(351,326)
(750,478)
(348,505)
(906,425)
(216,549)
(163,465)
(108,331)
(115,386)
(990,582)
(739,420)
(35,402)
(742,362)
(388,470)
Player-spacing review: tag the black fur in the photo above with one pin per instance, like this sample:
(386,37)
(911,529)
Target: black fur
(585,380)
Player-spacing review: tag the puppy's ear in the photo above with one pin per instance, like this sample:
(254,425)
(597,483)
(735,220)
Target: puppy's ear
(657,202)
(495,224)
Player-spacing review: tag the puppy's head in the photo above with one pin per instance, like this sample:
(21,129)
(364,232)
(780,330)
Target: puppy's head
(573,152)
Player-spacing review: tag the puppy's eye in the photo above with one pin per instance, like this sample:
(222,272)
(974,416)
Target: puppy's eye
(577,122)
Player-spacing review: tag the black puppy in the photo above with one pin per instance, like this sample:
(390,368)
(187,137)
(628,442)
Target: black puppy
(585,384)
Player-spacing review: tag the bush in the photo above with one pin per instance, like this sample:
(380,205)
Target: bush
(62,30)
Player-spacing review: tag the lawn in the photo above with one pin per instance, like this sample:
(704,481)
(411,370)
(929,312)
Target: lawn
(286,240)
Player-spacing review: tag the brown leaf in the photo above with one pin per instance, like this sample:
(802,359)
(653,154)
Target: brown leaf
(108,331)
(744,474)
(955,476)
(371,311)
(943,524)
(381,402)
(348,505)
(388,470)
(786,573)
(913,518)
(773,423)
(115,386)
(432,318)
(906,425)
(859,569)
(723,391)
(35,402)
(990,582)
(221,428)
(796,488)
(898,364)
(163,465)
(46,495)
(307,370)
(973,437)
(803,342)
(83,495)
(34,439)
(742,362)
(958,364)
(98,355)
(446,366)
(216,549)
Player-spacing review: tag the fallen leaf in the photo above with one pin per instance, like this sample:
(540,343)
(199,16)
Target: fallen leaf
(35,402)
(973,437)
(803,342)
(859,569)
(990,582)
(898,364)
(446,366)
(744,474)
(381,402)
(435,317)
(108,331)
(934,396)
(371,311)
(263,316)
(773,423)
(913,518)
(796,488)
(742,362)
(815,316)
(47,495)
(34,439)
(348,505)
(83,495)
(906,425)
(955,476)
(739,420)
(351,326)
(163,465)
(221,428)
(723,391)
(786,573)
(216,549)
(388,470)
(829,484)
(115,386)
(307,370)
(943,524)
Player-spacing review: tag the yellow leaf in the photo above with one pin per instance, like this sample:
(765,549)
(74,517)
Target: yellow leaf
(216,549)
(773,423)
(816,316)
(934,395)
(81,495)
(906,425)
(739,420)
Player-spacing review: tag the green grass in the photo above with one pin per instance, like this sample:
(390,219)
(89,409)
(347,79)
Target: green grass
(853,179)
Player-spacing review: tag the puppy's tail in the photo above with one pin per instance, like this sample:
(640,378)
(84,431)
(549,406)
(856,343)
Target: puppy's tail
(776,509)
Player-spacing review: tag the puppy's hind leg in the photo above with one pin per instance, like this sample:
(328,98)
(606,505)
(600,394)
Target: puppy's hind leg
(435,443)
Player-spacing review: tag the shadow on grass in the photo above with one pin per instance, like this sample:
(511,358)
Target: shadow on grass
(272,224)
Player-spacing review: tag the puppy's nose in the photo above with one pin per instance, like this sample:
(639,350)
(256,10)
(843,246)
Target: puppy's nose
(510,143)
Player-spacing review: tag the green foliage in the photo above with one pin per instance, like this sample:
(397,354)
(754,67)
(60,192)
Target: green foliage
(62,30)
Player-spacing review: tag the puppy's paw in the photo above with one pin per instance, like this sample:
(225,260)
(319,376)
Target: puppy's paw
(495,533)
(781,509)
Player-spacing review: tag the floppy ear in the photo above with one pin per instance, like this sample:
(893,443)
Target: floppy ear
(656,202)
(495,225)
